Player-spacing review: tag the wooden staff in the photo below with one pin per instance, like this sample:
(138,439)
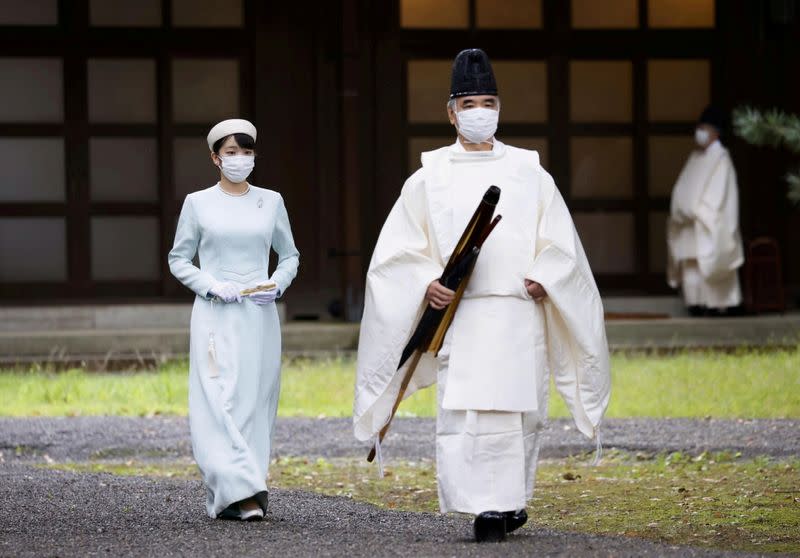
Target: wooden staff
(429,334)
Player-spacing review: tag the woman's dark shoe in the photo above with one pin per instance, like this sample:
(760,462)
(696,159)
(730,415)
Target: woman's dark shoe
(231,512)
(490,527)
(262,499)
(515,520)
(250,510)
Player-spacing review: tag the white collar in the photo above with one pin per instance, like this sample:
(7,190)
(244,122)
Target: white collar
(224,191)
(714,148)
(458,153)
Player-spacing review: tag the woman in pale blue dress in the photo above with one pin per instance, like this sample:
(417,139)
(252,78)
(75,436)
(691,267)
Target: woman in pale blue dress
(235,348)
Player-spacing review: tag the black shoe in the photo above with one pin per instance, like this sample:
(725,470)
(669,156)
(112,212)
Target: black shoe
(515,520)
(726,312)
(262,498)
(490,527)
(231,512)
(697,311)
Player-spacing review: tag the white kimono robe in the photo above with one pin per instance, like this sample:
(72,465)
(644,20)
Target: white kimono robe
(494,368)
(703,238)
(233,401)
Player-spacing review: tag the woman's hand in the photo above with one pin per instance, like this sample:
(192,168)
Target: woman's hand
(536,291)
(264,297)
(226,292)
(438,295)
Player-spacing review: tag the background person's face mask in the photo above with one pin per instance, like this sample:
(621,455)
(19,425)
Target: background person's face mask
(477,125)
(237,168)
(701,137)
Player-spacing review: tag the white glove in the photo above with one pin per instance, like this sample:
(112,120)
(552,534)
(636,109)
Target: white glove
(264,297)
(226,292)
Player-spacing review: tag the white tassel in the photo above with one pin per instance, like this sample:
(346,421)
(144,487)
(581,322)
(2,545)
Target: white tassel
(598,449)
(213,371)
(379,455)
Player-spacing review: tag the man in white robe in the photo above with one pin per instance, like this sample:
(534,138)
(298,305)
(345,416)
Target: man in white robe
(703,238)
(531,308)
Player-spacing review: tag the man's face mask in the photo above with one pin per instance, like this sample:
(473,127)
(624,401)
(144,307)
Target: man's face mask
(701,136)
(477,125)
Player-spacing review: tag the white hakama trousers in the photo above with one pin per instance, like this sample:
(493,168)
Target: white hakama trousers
(699,291)
(485,460)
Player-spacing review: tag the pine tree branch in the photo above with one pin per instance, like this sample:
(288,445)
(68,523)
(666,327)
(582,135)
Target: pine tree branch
(793,179)
(774,128)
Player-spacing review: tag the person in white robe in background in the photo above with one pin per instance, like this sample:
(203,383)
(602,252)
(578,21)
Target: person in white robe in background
(703,238)
(531,309)
(235,340)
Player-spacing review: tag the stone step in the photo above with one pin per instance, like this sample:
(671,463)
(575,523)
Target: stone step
(156,343)
(99,317)
(160,343)
(166,316)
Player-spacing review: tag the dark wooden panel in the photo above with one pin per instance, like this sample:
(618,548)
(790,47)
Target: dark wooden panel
(117,291)
(390,117)
(32,130)
(166,178)
(289,52)
(641,215)
(123,130)
(585,44)
(125,208)
(74,41)
(76,143)
(33,209)
(758,61)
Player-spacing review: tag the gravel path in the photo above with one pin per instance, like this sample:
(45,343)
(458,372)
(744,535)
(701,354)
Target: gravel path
(55,513)
(52,513)
(168,437)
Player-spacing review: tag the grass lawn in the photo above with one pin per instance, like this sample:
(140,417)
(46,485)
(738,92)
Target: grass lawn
(746,384)
(704,500)
(717,500)
(707,500)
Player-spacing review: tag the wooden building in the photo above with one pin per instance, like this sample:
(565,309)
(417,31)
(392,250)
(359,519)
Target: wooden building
(105,104)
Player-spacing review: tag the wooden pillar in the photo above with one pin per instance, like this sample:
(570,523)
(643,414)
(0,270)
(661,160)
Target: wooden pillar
(351,101)
(285,83)
(76,143)
(759,54)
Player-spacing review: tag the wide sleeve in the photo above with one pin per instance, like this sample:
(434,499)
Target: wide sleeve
(187,239)
(284,247)
(575,326)
(403,264)
(405,235)
(682,199)
(719,244)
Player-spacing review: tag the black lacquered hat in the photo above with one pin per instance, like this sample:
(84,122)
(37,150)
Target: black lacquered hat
(714,117)
(472,74)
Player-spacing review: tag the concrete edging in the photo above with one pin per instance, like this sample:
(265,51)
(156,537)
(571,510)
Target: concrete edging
(318,337)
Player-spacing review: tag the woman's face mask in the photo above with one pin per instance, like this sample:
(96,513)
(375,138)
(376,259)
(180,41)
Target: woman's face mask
(477,125)
(237,168)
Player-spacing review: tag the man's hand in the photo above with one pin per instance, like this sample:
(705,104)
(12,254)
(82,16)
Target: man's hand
(438,295)
(535,290)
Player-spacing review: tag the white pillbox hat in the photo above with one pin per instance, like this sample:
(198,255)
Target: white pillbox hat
(228,127)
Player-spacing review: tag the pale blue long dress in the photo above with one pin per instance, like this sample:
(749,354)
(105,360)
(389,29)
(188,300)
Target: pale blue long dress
(233,396)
